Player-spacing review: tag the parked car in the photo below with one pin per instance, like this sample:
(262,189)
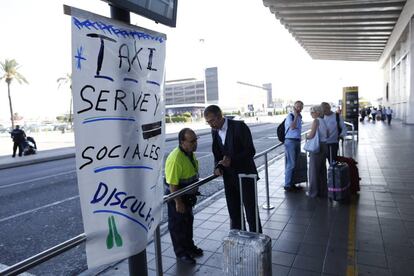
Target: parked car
(3,129)
(61,127)
(47,127)
(31,127)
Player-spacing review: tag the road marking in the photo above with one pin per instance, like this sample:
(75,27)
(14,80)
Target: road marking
(35,179)
(351,269)
(38,208)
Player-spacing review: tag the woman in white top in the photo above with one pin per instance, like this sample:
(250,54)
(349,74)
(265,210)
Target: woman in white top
(317,161)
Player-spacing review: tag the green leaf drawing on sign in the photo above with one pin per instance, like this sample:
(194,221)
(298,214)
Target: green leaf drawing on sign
(110,237)
(118,238)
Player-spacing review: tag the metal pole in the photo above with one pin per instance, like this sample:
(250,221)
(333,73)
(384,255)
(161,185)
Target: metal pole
(43,256)
(158,255)
(137,263)
(353,140)
(120,14)
(267,206)
(256,206)
(243,226)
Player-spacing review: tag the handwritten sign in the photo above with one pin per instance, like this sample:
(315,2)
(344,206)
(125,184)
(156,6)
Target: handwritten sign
(117,83)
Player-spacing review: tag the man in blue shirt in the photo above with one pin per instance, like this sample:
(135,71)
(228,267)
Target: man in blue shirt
(293,126)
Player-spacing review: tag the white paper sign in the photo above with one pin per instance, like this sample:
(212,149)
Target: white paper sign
(117,84)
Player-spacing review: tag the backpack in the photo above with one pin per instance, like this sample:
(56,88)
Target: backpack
(281,131)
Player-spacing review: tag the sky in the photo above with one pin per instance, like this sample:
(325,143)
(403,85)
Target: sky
(242,38)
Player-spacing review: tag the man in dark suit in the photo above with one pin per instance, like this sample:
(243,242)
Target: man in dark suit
(233,152)
(19,138)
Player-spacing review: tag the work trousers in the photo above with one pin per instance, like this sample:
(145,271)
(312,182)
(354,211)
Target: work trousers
(17,145)
(389,117)
(232,191)
(181,228)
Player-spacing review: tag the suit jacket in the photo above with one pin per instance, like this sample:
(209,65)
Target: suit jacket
(238,145)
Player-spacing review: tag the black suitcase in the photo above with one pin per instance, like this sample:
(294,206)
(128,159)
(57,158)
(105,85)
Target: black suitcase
(338,181)
(300,173)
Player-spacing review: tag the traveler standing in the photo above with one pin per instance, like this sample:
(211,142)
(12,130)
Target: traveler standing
(369,113)
(293,129)
(317,160)
(374,114)
(336,129)
(363,114)
(379,114)
(181,170)
(19,138)
(233,152)
(389,115)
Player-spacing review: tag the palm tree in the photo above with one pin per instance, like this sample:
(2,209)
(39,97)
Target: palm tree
(67,80)
(10,67)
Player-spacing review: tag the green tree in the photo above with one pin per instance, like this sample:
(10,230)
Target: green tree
(67,80)
(10,72)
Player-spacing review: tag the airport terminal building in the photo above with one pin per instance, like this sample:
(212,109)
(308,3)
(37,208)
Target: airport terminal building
(232,95)
(397,62)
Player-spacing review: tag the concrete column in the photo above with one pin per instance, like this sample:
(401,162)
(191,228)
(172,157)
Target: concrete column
(410,74)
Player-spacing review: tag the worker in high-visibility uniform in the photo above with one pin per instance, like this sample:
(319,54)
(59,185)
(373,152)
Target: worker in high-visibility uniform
(181,170)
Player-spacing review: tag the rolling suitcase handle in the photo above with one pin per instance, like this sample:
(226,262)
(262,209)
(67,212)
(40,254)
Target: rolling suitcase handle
(254,177)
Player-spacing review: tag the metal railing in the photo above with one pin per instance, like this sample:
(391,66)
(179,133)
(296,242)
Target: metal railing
(71,243)
(352,137)
(43,256)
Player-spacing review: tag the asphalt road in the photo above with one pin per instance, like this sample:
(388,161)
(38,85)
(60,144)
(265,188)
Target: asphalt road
(40,205)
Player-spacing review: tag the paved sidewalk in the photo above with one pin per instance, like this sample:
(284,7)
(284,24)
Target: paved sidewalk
(374,235)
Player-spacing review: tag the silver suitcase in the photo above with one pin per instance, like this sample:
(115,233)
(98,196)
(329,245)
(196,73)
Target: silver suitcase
(246,253)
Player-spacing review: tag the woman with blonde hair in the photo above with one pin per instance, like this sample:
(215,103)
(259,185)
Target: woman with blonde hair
(317,160)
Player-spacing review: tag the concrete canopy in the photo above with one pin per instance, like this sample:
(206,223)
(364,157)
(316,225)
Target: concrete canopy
(339,29)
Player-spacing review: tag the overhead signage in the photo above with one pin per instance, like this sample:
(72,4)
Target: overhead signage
(161,11)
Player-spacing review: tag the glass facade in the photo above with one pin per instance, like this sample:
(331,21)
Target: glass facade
(184,92)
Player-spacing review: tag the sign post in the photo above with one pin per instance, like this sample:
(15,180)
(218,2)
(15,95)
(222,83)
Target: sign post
(137,264)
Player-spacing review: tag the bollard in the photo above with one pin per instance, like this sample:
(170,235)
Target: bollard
(267,206)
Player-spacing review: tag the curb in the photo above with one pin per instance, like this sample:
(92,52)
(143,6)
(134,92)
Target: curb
(37,160)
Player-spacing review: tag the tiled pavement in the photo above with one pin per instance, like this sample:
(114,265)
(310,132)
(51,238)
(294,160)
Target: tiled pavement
(374,235)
